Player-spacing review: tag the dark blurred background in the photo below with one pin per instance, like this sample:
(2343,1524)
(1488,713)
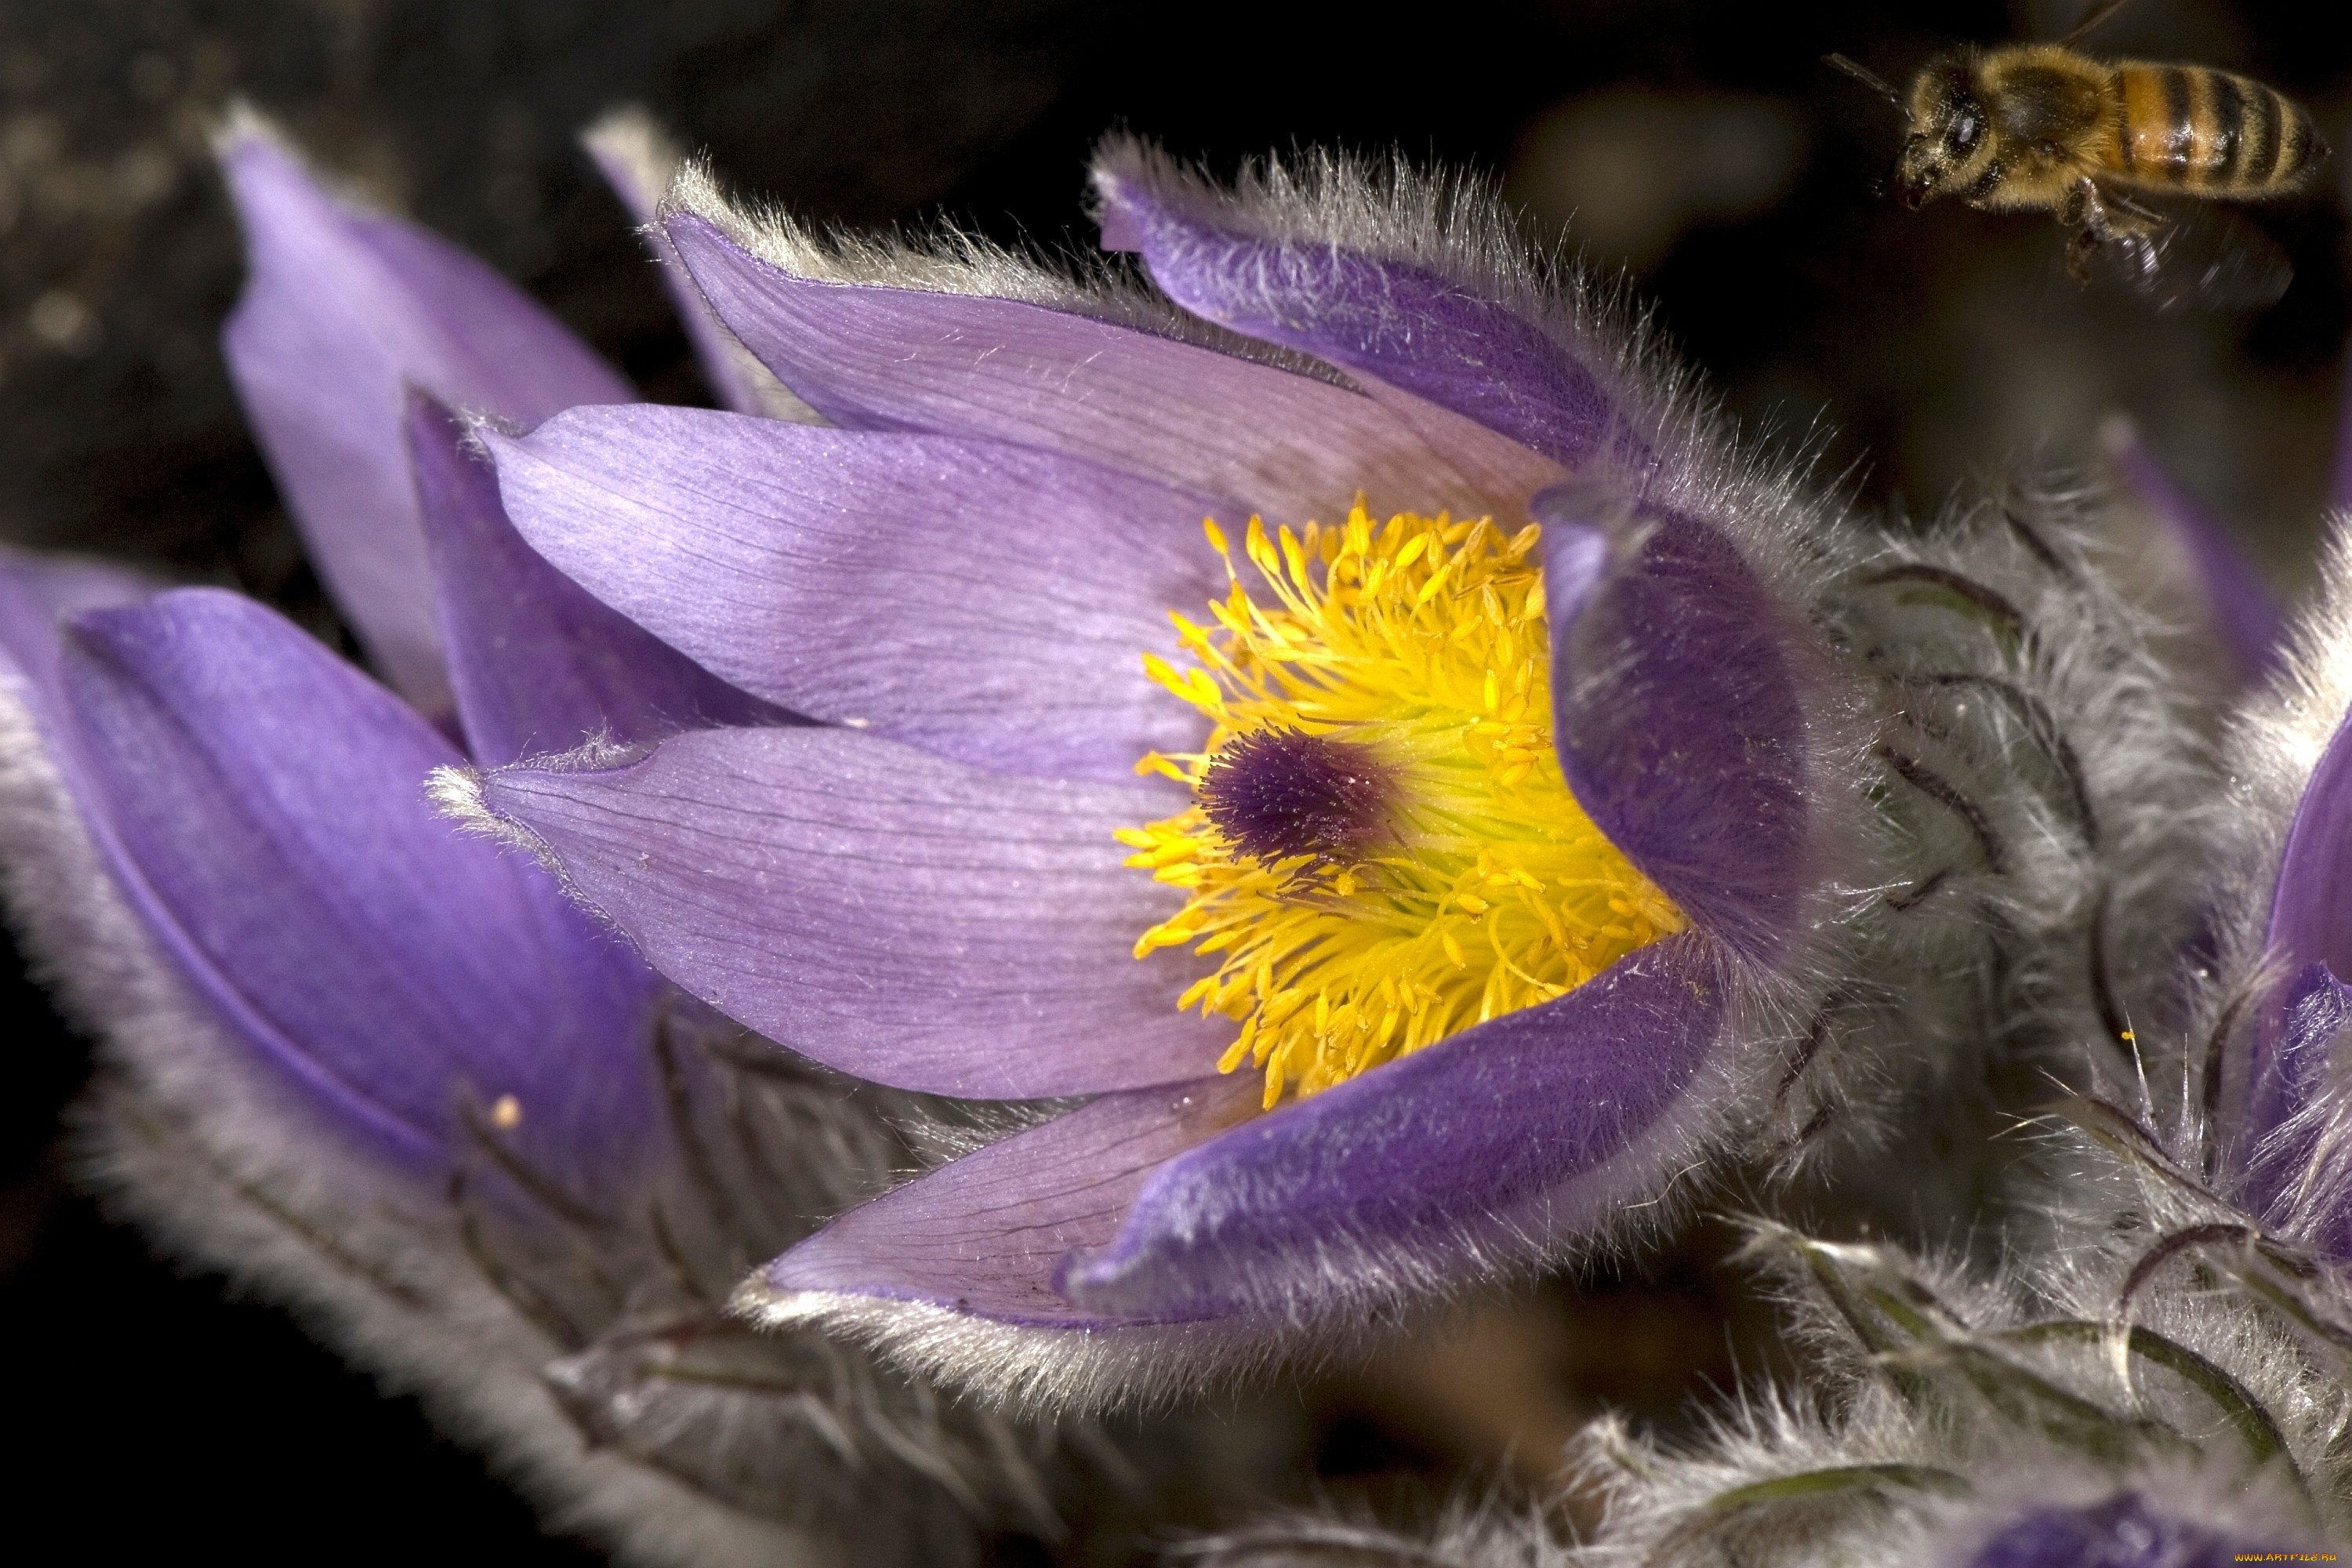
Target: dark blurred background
(1701,143)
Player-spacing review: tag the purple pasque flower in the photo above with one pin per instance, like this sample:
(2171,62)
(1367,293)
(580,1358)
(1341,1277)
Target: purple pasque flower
(387,1071)
(1493,850)
(1521,806)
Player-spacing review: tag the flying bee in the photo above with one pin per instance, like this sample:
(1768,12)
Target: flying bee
(2043,127)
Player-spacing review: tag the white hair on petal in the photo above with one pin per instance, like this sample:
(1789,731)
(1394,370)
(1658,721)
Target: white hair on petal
(643,160)
(1451,221)
(2281,732)
(455,790)
(946,260)
(951,261)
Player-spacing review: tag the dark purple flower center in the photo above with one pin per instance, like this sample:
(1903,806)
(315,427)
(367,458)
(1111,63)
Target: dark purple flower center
(1277,795)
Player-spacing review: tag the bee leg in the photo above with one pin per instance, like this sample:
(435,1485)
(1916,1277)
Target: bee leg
(2085,211)
(2081,246)
(2135,228)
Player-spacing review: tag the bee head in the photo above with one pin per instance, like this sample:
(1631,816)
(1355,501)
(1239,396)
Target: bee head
(1950,140)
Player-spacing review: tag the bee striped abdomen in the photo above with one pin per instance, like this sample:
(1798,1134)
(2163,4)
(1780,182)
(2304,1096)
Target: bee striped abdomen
(2192,128)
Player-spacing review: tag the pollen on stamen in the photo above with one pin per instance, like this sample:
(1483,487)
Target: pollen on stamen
(1380,849)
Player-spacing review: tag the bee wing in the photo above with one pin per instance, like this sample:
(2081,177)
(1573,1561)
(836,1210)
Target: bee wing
(2199,258)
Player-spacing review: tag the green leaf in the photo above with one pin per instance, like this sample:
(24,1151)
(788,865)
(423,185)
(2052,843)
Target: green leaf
(2026,1398)
(2254,1427)
(1844,1482)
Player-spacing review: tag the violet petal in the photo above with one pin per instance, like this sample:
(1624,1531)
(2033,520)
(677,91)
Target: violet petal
(887,912)
(986,1233)
(1509,1138)
(2309,937)
(342,311)
(262,805)
(1677,712)
(985,602)
(1407,326)
(537,663)
(1265,440)
(1180,1202)
(2244,614)
(2123,1532)
(2311,917)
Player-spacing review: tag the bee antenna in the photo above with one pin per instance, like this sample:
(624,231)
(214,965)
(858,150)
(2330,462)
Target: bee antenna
(1869,79)
(2091,21)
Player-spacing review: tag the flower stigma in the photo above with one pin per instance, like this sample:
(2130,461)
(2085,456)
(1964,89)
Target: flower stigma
(1380,849)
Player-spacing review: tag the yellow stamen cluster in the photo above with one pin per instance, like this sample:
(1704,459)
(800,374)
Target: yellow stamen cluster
(1485,888)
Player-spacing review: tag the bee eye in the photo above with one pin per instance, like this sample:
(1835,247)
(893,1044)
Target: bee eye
(1968,129)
